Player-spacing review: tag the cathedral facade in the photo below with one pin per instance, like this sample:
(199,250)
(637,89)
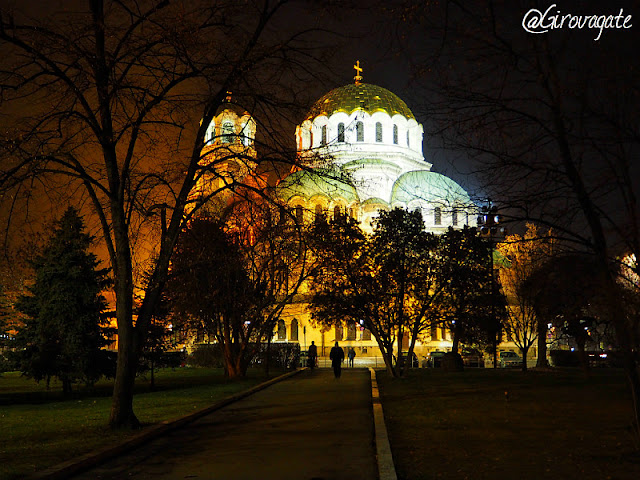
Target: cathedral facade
(360,148)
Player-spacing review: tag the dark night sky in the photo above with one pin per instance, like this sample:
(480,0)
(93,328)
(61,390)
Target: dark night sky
(392,54)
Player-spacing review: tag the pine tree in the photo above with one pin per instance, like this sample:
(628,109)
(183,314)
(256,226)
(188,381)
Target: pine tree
(64,330)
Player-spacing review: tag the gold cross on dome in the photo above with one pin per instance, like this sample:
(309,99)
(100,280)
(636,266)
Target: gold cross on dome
(358,77)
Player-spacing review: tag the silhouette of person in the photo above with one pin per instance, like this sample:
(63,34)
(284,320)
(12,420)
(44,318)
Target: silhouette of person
(351,355)
(312,355)
(337,357)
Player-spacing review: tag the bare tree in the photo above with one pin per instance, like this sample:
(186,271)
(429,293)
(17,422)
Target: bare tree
(549,121)
(236,294)
(109,105)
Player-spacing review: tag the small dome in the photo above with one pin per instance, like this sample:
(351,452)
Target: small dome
(320,181)
(430,187)
(364,96)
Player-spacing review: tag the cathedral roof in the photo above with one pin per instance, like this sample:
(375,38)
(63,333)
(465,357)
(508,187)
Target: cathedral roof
(320,181)
(360,96)
(428,186)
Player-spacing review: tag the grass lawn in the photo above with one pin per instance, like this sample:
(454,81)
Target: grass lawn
(550,425)
(39,428)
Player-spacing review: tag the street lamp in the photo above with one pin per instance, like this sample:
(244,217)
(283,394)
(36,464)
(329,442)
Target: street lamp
(489,222)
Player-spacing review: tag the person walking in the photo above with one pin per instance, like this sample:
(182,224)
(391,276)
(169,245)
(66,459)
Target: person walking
(312,355)
(351,355)
(337,357)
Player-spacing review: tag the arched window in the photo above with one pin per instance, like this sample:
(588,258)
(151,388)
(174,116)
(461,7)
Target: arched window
(299,214)
(323,140)
(246,140)
(338,333)
(437,216)
(378,132)
(282,330)
(395,134)
(359,132)
(351,331)
(294,330)
(454,217)
(366,334)
(408,139)
(336,211)
(227,132)
(341,132)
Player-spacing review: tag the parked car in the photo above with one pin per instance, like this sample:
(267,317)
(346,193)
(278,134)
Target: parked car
(434,360)
(473,358)
(414,360)
(510,359)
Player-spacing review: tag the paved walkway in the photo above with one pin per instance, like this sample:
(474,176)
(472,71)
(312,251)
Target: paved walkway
(311,426)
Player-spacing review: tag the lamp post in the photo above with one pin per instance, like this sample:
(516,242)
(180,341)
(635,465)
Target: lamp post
(490,221)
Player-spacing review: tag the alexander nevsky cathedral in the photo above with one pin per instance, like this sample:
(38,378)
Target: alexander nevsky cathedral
(374,143)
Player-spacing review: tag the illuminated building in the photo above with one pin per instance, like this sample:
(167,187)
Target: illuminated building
(360,151)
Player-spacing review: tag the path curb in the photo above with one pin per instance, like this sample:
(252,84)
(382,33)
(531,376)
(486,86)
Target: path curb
(386,467)
(76,465)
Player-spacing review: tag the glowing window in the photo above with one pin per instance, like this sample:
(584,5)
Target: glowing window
(282,330)
(378,132)
(227,132)
(395,134)
(437,216)
(359,132)
(351,331)
(341,132)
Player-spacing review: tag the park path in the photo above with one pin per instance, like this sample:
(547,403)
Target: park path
(311,426)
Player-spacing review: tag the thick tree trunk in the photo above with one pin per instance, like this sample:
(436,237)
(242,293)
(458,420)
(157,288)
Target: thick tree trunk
(387,356)
(542,345)
(122,414)
(525,352)
(456,340)
(232,362)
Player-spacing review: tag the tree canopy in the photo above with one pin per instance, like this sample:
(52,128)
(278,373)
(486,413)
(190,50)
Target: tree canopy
(390,281)
(524,254)
(65,326)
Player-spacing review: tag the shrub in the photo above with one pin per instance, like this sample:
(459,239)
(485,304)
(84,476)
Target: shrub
(206,355)
(564,358)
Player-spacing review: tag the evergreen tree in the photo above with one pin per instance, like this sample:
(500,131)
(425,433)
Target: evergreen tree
(64,329)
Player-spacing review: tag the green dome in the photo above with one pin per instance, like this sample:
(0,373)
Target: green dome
(320,181)
(430,187)
(364,96)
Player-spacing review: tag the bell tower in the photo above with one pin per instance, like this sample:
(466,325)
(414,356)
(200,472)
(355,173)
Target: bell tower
(228,155)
